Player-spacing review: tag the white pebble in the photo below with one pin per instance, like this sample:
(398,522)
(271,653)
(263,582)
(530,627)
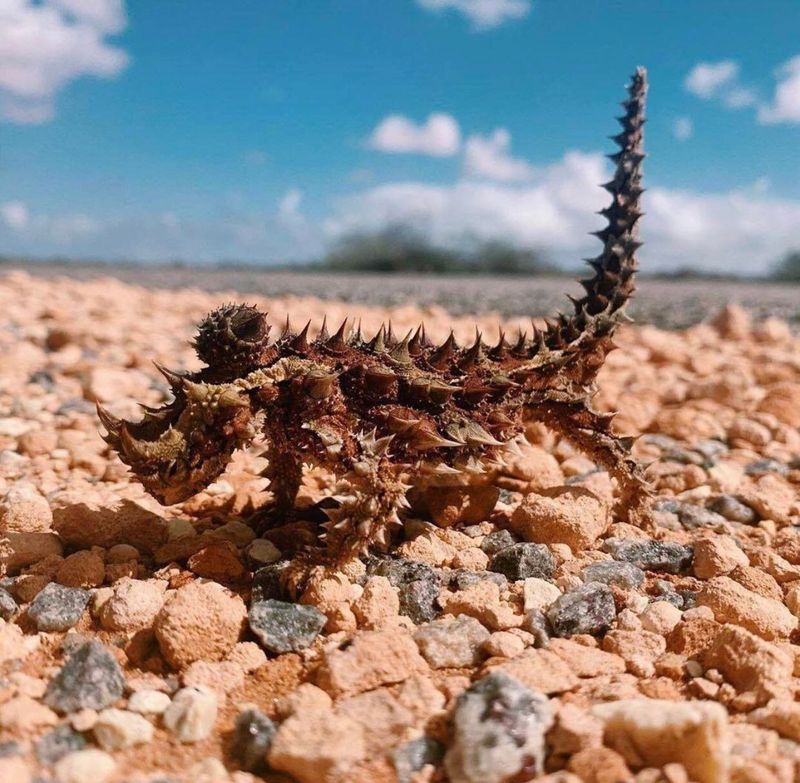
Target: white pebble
(85,766)
(148,702)
(192,714)
(118,730)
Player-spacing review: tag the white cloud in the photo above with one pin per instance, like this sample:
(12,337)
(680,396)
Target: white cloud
(289,205)
(683,128)
(738,97)
(46,45)
(706,80)
(742,231)
(490,157)
(14,214)
(438,136)
(555,209)
(483,14)
(785,104)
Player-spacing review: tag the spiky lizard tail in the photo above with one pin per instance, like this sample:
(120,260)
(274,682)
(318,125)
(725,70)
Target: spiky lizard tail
(601,309)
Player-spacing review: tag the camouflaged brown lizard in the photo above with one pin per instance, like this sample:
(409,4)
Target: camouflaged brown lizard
(391,412)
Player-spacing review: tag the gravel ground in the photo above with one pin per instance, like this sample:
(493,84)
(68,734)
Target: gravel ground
(540,637)
(664,303)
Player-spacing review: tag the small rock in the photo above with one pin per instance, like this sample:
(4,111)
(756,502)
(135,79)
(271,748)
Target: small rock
(461,579)
(732,603)
(379,604)
(317,746)
(693,517)
(24,510)
(451,642)
(252,736)
(568,515)
(412,756)
(660,617)
(81,569)
(587,609)
(262,552)
(148,702)
(535,623)
(614,572)
(733,509)
(219,560)
(498,732)
(418,587)
(373,658)
(494,542)
(650,555)
(539,594)
(749,663)
(91,678)
(58,608)
(199,621)
(85,766)
(57,743)
(8,606)
(119,730)
(133,604)
(283,627)
(504,644)
(717,556)
(268,583)
(652,732)
(521,561)
(192,714)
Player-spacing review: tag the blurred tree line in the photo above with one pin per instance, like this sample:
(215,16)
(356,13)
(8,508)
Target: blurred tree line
(401,248)
(788,268)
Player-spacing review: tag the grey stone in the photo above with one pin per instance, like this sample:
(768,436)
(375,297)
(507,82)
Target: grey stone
(614,572)
(58,608)
(10,748)
(588,608)
(535,623)
(521,561)
(693,517)
(761,466)
(665,591)
(452,642)
(8,606)
(253,733)
(268,583)
(91,678)
(419,600)
(499,727)
(417,586)
(462,578)
(733,509)
(57,743)
(711,449)
(655,439)
(283,627)
(649,554)
(412,756)
(494,542)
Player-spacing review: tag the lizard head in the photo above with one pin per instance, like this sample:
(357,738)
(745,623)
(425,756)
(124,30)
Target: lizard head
(177,450)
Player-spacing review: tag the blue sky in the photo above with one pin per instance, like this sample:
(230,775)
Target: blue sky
(263,130)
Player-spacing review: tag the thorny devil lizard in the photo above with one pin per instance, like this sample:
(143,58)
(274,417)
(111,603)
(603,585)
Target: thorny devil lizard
(388,413)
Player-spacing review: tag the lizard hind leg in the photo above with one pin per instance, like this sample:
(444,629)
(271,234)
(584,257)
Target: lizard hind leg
(372,497)
(574,419)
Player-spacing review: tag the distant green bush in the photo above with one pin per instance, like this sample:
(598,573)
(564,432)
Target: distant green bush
(400,248)
(788,268)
